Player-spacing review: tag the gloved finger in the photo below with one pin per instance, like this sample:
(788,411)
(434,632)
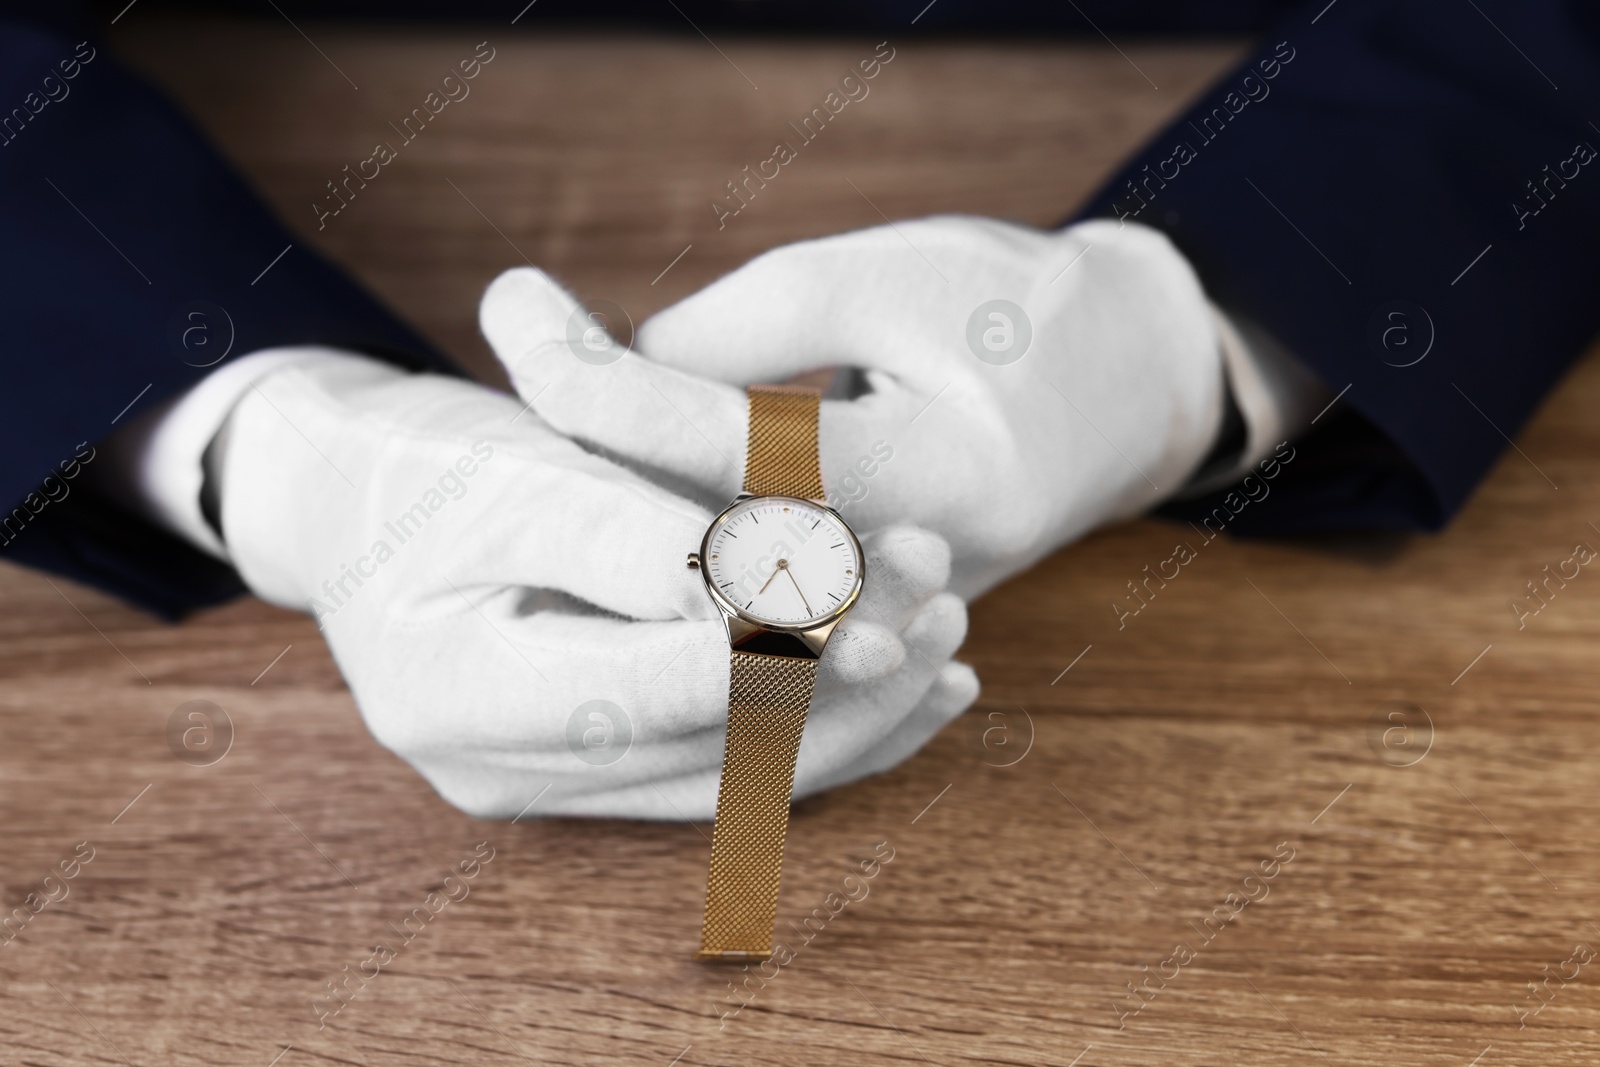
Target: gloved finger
(938,629)
(684,424)
(906,565)
(953,694)
(669,679)
(696,429)
(848,299)
(935,631)
(489,676)
(557,517)
(865,683)
(859,651)
(673,675)
(633,753)
(839,730)
(675,421)
(880,298)
(524,310)
(843,725)
(685,798)
(679,781)
(637,658)
(930,638)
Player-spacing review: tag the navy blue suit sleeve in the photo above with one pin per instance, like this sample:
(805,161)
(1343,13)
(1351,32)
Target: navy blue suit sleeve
(1406,194)
(135,257)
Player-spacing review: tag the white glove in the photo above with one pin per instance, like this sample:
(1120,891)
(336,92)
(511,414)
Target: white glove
(1095,394)
(481,580)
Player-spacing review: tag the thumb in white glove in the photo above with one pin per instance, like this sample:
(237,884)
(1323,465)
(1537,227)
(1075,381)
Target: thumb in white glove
(1025,386)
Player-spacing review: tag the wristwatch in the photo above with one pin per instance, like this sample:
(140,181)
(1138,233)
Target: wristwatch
(783,568)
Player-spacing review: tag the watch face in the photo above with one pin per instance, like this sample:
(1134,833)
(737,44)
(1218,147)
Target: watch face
(782,561)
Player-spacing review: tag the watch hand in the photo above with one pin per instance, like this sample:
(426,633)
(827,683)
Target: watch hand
(797,589)
(782,563)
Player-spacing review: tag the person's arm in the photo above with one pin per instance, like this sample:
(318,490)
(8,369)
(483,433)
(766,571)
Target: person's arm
(1405,197)
(137,263)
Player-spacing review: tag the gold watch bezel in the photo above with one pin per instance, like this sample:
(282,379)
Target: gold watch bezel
(729,608)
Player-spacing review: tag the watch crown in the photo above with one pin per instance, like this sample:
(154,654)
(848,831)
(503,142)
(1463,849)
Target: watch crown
(694,561)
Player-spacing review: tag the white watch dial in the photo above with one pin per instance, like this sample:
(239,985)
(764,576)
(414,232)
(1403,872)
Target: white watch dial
(781,560)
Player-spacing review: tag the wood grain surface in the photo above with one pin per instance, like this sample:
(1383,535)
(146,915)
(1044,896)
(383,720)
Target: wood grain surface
(1352,735)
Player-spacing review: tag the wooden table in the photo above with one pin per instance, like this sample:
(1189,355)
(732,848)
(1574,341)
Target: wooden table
(1110,790)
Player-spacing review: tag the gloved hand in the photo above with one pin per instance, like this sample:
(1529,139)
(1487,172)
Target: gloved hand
(1007,428)
(482,581)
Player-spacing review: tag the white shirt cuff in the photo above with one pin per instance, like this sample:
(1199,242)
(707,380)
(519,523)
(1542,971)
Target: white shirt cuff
(1278,396)
(154,464)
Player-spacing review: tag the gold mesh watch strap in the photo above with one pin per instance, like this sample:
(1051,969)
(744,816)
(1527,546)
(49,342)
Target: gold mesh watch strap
(767,701)
(768,697)
(781,457)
